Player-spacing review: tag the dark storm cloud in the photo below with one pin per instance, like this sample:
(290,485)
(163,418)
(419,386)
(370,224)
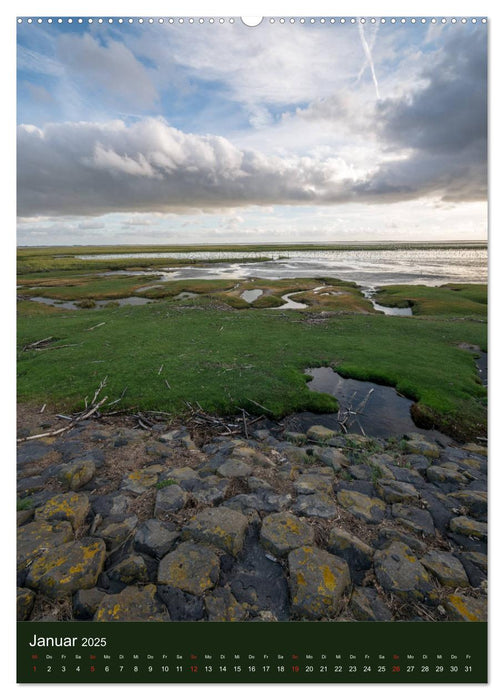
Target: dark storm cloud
(442,125)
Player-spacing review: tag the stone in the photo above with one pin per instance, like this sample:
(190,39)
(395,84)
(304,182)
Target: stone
(477,559)
(211,491)
(360,471)
(77,474)
(463,608)
(38,537)
(252,455)
(185,477)
(414,518)
(282,532)
(320,433)
(315,505)
(222,527)
(85,603)
(331,457)
(475,449)
(170,499)
(446,568)
(476,502)
(129,570)
(24,603)
(260,583)
(155,538)
(317,581)
(114,533)
(311,483)
(408,476)
(357,554)
(222,606)
(69,506)
(183,607)
(192,567)
(371,510)
(295,438)
(140,480)
(445,474)
(232,468)
(469,528)
(366,606)
(111,504)
(419,445)
(132,605)
(396,491)
(68,567)
(400,572)
(389,534)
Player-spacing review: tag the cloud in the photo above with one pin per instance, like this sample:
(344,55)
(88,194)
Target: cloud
(440,127)
(109,69)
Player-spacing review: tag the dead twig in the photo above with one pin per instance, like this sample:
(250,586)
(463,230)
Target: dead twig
(97,326)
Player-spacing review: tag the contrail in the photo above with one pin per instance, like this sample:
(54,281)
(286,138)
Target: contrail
(369,57)
(371,44)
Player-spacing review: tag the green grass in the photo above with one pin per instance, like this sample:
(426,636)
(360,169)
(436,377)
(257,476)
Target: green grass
(448,300)
(226,360)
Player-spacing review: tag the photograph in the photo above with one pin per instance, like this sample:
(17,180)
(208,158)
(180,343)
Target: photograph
(252,344)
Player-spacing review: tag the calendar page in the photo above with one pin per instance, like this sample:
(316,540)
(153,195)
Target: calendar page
(252,349)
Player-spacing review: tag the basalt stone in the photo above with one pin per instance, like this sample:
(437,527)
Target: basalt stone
(24,603)
(320,433)
(282,532)
(260,583)
(141,480)
(250,454)
(360,471)
(468,544)
(446,568)
(317,581)
(68,567)
(371,510)
(445,474)
(390,534)
(156,538)
(469,528)
(408,476)
(222,527)
(399,571)
(186,478)
(129,570)
(419,462)
(418,444)
(359,485)
(211,491)
(170,499)
(396,491)
(311,483)
(114,533)
(474,568)
(366,606)
(77,474)
(261,501)
(330,456)
(414,518)
(439,509)
(32,451)
(357,554)
(473,448)
(24,516)
(38,537)
(132,604)
(478,559)
(85,603)
(69,506)
(222,606)
(183,607)
(463,608)
(318,505)
(111,504)
(475,502)
(232,468)
(194,568)
(295,438)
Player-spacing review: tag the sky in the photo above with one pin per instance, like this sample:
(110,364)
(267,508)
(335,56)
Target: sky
(221,133)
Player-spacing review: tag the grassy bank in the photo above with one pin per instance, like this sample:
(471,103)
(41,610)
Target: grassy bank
(168,354)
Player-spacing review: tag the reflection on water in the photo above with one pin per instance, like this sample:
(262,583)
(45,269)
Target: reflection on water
(377,409)
(250,295)
(430,266)
(72,305)
(387,310)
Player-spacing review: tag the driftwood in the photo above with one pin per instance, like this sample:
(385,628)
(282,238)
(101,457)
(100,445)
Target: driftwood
(76,418)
